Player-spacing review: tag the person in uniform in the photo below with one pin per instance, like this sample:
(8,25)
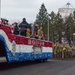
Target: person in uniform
(54,50)
(23,27)
(63,51)
(28,32)
(16,29)
(40,33)
(6,23)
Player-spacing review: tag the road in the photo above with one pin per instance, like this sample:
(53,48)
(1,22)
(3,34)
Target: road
(51,67)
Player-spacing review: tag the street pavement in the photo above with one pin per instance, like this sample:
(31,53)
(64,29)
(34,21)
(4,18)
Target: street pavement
(2,59)
(51,67)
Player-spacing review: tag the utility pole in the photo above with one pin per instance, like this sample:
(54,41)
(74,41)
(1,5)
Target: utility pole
(48,31)
(48,20)
(73,38)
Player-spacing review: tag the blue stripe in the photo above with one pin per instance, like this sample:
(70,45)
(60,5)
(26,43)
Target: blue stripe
(27,56)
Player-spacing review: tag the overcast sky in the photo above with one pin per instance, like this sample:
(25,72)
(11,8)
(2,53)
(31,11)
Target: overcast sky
(15,10)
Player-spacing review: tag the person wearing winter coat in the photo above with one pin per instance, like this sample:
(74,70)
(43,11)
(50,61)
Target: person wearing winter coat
(23,27)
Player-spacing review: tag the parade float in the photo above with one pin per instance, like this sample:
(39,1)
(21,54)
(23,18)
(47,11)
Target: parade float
(18,48)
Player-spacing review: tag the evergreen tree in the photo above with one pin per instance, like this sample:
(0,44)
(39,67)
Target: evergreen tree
(52,26)
(42,15)
(56,27)
(69,24)
(42,18)
(73,28)
(59,26)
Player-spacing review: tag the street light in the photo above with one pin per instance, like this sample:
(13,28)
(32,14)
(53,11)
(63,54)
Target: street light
(48,25)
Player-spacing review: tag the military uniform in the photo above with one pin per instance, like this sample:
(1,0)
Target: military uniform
(63,52)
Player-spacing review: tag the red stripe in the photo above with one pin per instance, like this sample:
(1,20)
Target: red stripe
(23,40)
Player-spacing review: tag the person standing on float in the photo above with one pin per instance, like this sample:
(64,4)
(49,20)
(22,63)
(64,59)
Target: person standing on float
(23,27)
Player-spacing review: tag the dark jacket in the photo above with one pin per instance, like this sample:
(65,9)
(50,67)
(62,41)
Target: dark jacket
(23,27)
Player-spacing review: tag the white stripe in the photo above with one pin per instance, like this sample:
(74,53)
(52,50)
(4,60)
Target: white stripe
(5,37)
(47,49)
(26,48)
